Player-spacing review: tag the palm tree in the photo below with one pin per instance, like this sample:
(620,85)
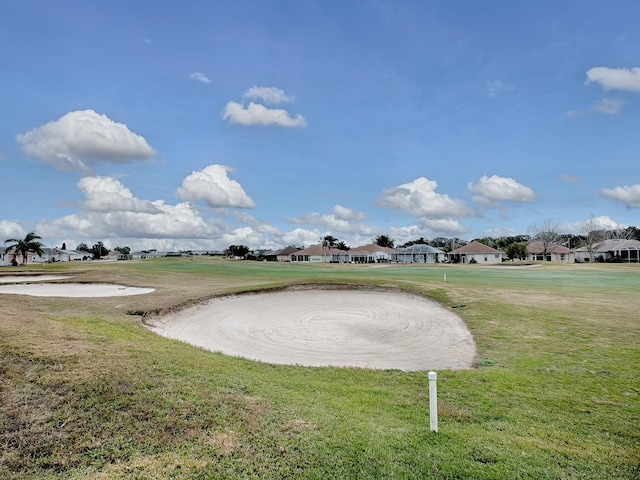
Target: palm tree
(328,242)
(30,243)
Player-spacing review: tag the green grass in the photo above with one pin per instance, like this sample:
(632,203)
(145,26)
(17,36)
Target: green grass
(87,392)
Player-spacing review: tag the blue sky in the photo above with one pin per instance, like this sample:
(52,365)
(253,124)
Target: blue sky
(174,126)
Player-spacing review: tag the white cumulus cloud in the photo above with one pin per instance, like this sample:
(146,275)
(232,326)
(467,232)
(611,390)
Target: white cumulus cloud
(419,198)
(602,222)
(270,95)
(200,77)
(121,215)
(80,139)
(444,226)
(627,195)
(625,79)
(257,114)
(213,186)
(174,221)
(495,189)
(10,229)
(106,194)
(344,213)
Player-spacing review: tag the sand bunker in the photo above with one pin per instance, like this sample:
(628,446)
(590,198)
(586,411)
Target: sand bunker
(378,329)
(73,290)
(31,278)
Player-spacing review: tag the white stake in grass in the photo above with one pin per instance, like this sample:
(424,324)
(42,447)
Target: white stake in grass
(433,401)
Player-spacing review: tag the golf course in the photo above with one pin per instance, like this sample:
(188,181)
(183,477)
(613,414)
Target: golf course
(88,389)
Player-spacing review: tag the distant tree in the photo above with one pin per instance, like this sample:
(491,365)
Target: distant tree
(448,244)
(329,241)
(123,250)
(545,232)
(633,233)
(99,251)
(83,247)
(619,233)
(384,241)
(593,235)
(240,251)
(64,246)
(30,243)
(342,246)
(488,241)
(516,250)
(414,242)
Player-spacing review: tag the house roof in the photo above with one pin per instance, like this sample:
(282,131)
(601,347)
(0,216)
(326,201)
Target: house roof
(372,248)
(285,251)
(538,247)
(319,250)
(419,248)
(475,247)
(618,244)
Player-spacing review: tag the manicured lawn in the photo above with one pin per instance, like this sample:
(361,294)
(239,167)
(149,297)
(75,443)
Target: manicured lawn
(87,392)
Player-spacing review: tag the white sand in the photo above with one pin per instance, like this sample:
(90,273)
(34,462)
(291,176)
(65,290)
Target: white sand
(31,278)
(72,290)
(376,329)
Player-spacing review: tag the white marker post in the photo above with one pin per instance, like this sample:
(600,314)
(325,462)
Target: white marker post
(433,401)
(445,278)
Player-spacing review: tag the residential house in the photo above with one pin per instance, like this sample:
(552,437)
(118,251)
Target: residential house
(420,253)
(371,253)
(145,254)
(555,253)
(282,255)
(7,257)
(476,251)
(320,254)
(615,249)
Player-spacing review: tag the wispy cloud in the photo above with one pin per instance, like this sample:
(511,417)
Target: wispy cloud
(200,77)
(610,106)
(269,95)
(569,178)
(495,88)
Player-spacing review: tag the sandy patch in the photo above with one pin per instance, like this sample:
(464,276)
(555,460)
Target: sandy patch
(73,290)
(376,329)
(31,278)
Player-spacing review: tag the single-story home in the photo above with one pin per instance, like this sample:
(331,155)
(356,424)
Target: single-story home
(420,253)
(372,253)
(477,251)
(6,258)
(144,254)
(320,254)
(622,249)
(555,252)
(282,255)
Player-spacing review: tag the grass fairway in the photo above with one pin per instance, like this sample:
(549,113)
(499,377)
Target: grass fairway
(87,392)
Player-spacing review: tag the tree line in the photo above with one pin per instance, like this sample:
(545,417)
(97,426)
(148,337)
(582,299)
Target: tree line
(545,232)
(31,243)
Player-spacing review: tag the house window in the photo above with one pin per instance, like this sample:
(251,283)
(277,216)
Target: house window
(485,258)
